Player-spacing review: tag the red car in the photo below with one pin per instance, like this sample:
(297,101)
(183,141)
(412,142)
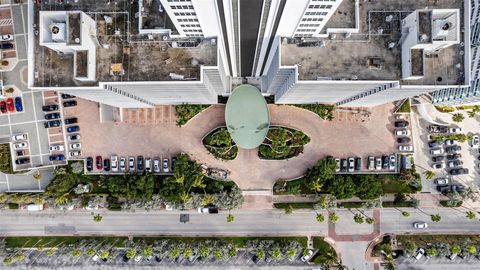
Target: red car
(98,161)
(3,107)
(10,105)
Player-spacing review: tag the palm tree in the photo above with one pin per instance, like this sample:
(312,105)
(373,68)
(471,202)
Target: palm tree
(131,252)
(320,218)
(97,218)
(359,219)
(472,249)
(458,117)
(429,175)
(208,199)
(436,217)
(333,217)
(405,214)
(230,218)
(289,209)
(104,254)
(37,176)
(317,186)
(62,199)
(471,215)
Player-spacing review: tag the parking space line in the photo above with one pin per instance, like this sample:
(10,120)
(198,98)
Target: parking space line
(20,123)
(23,30)
(36,126)
(8,184)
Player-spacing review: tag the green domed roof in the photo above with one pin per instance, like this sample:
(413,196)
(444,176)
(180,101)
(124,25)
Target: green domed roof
(247,117)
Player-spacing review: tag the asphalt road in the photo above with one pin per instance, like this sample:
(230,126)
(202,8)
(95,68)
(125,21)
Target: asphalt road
(246,223)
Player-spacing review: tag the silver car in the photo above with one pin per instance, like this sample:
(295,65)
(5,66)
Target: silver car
(131,164)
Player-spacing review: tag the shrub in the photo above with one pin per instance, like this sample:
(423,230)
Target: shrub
(185,112)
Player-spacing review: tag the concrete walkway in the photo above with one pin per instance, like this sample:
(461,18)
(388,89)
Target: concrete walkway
(25,182)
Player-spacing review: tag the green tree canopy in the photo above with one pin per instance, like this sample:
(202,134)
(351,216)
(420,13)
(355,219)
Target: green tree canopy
(131,186)
(342,187)
(368,187)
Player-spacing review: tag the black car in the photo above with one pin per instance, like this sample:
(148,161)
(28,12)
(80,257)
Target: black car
(458,171)
(56,157)
(385,162)
(73,129)
(106,164)
(343,165)
(89,164)
(434,144)
(49,108)
(453,149)
(140,164)
(401,123)
(50,116)
(454,156)
(70,103)
(6,46)
(54,123)
(457,188)
(438,158)
(70,121)
(403,140)
(20,153)
(174,159)
(358,164)
(67,96)
(443,188)
(22,161)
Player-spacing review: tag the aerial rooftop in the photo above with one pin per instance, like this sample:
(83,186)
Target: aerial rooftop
(375,52)
(117,52)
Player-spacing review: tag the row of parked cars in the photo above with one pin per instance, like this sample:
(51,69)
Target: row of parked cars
(403,136)
(354,164)
(130,164)
(445,154)
(11,105)
(20,148)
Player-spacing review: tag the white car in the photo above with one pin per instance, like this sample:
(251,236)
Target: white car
(203,210)
(351,164)
(308,256)
(56,147)
(378,163)
(6,37)
(156,165)
(148,165)
(419,254)
(455,130)
(438,166)
(123,164)
(19,137)
(95,257)
(371,163)
(138,258)
(337,167)
(393,162)
(403,132)
(165,165)
(114,163)
(405,148)
(420,225)
(74,153)
(131,164)
(20,145)
(451,142)
(437,151)
(475,141)
(75,146)
(441,181)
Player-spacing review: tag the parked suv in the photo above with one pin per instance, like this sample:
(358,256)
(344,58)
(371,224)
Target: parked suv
(54,123)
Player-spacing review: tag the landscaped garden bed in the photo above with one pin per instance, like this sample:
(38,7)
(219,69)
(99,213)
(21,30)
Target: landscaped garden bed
(185,112)
(282,143)
(220,144)
(5,159)
(324,111)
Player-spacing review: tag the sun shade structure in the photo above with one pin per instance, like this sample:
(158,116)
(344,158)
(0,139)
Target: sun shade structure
(247,116)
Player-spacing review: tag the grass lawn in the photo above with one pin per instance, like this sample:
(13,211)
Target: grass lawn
(391,184)
(326,253)
(405,107)
(5,160)
(306,205)
(293,184)
(424,239)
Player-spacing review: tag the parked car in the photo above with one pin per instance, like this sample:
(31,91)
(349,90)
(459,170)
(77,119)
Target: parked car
(73,129)
(393,162)
(140,164)
(307,256)
(74,137)
(51,116)
(458,171)
(70,121)
(156,165)
(435,144)
(69,103)
(4,46)
(457,188)
(56,157)
(89,164)
(337,165)
(148,165)
(131,164)
(385,162)
(453,149)
(451,142)
(58,147)
(419,254)
(106,164)
(441,181)
(20,145)
(20,153)
(437,129)
(10,105)
(51,124)
(6,37)
(438,158)
(165,165)
(438,166)
(172,165)
(420,225)
(49,108)
(358,163)
(475,141)
(75,146)
(455,163)
(402,132)
(123,164)
(98,162)
(19,137)
(454,130)
(378,163)
(208,210)
(3,106)
(67,96)
(401,123)
(437,151)
(22,161)
(114,163)
(454,156)
(75,153)
(403,140)
(371,163)
(405,148)
(351,164)
(18,104)
(443,188)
